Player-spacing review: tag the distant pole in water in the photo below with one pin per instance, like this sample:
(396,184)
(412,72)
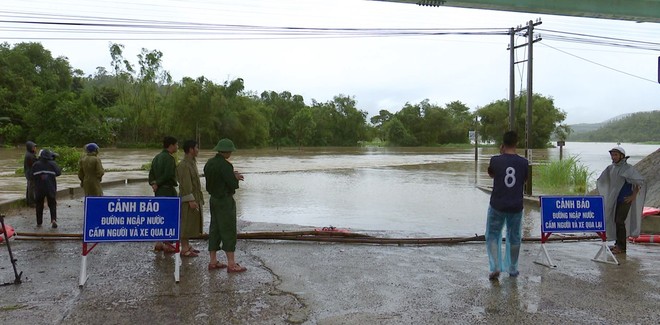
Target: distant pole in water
(476,138)
(561,144)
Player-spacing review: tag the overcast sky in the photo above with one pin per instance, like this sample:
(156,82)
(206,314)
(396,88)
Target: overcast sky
(591,83)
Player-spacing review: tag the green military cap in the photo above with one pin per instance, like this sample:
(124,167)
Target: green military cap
(225,145)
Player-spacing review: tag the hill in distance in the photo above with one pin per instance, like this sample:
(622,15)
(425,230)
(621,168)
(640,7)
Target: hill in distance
(633,127)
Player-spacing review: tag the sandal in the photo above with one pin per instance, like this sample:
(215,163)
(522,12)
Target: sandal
(189,253)
(217,265)
(617,250)
(168,248)
(237,268)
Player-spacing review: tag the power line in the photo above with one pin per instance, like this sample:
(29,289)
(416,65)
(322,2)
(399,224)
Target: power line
(598,64)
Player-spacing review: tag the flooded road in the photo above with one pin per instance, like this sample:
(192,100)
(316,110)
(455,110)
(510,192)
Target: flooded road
(406,192)
(424,191)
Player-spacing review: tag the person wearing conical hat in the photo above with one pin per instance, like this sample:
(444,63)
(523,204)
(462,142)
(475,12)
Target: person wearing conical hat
(221,183)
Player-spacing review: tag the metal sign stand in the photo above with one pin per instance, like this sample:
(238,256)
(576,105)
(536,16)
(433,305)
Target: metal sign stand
(565,214)
(17,279)
(548,261)
(85,251)
(129,219)
(604,254)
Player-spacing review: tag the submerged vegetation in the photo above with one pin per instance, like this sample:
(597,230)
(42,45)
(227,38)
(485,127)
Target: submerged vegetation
(567,176)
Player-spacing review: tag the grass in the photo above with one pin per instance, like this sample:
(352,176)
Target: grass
(567,176)
(12,307)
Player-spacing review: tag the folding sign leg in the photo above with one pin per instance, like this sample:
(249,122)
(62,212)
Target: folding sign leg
(605,255)
(547,261)
(83,264)
(177,266)
(83,271)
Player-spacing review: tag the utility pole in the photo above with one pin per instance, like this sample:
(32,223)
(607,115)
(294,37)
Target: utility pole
(529,33)
(512,79)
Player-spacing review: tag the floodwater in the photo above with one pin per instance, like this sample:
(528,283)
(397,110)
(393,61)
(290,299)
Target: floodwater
(407,191)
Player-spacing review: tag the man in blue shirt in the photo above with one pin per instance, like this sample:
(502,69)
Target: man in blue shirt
(509,172)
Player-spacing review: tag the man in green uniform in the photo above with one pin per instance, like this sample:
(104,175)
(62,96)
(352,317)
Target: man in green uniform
(162,177)
(90,171)
(221,183)
(192,199)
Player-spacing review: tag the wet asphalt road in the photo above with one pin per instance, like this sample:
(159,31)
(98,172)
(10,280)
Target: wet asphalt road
(320,283)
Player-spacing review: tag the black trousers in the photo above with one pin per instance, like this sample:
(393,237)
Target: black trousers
(620,217)
(29,193)
(52,206)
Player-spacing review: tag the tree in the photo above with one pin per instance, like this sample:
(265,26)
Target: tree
(397,134)
(302,126)
(281,108)
(27,71)
(545,119)
(461,122)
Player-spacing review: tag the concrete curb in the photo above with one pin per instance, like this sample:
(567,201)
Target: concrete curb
(68,193)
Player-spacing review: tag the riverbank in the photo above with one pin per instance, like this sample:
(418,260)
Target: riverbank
(318,283)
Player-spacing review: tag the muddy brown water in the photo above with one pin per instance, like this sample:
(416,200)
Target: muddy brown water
(426,191)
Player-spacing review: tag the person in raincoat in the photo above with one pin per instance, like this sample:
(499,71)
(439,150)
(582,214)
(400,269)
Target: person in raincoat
(44,171)
(624,192)
(28,161)
(509,172)
(90,171)
(192,199)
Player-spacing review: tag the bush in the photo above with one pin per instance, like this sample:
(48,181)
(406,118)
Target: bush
(67,159)
(566,176)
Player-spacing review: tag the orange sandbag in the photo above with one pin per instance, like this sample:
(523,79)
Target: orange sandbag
(10,232)
(649,211)
(333,229)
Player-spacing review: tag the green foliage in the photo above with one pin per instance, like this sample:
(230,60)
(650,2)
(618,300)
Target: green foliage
(567,176)
(68,158)
(397,134)
(302,124)
(637,127)
(546,119)
(146,166)
(135,104)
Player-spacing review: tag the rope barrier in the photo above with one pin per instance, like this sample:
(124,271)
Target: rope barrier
(325,236)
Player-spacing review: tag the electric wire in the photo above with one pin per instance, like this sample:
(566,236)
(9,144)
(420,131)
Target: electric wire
(80,27)
(598,64)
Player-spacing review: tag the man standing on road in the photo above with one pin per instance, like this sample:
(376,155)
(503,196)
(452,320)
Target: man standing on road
(90,171)
(623,191)
(162,177)
(192,199)
(28,161)
(509,172)
(221,183)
